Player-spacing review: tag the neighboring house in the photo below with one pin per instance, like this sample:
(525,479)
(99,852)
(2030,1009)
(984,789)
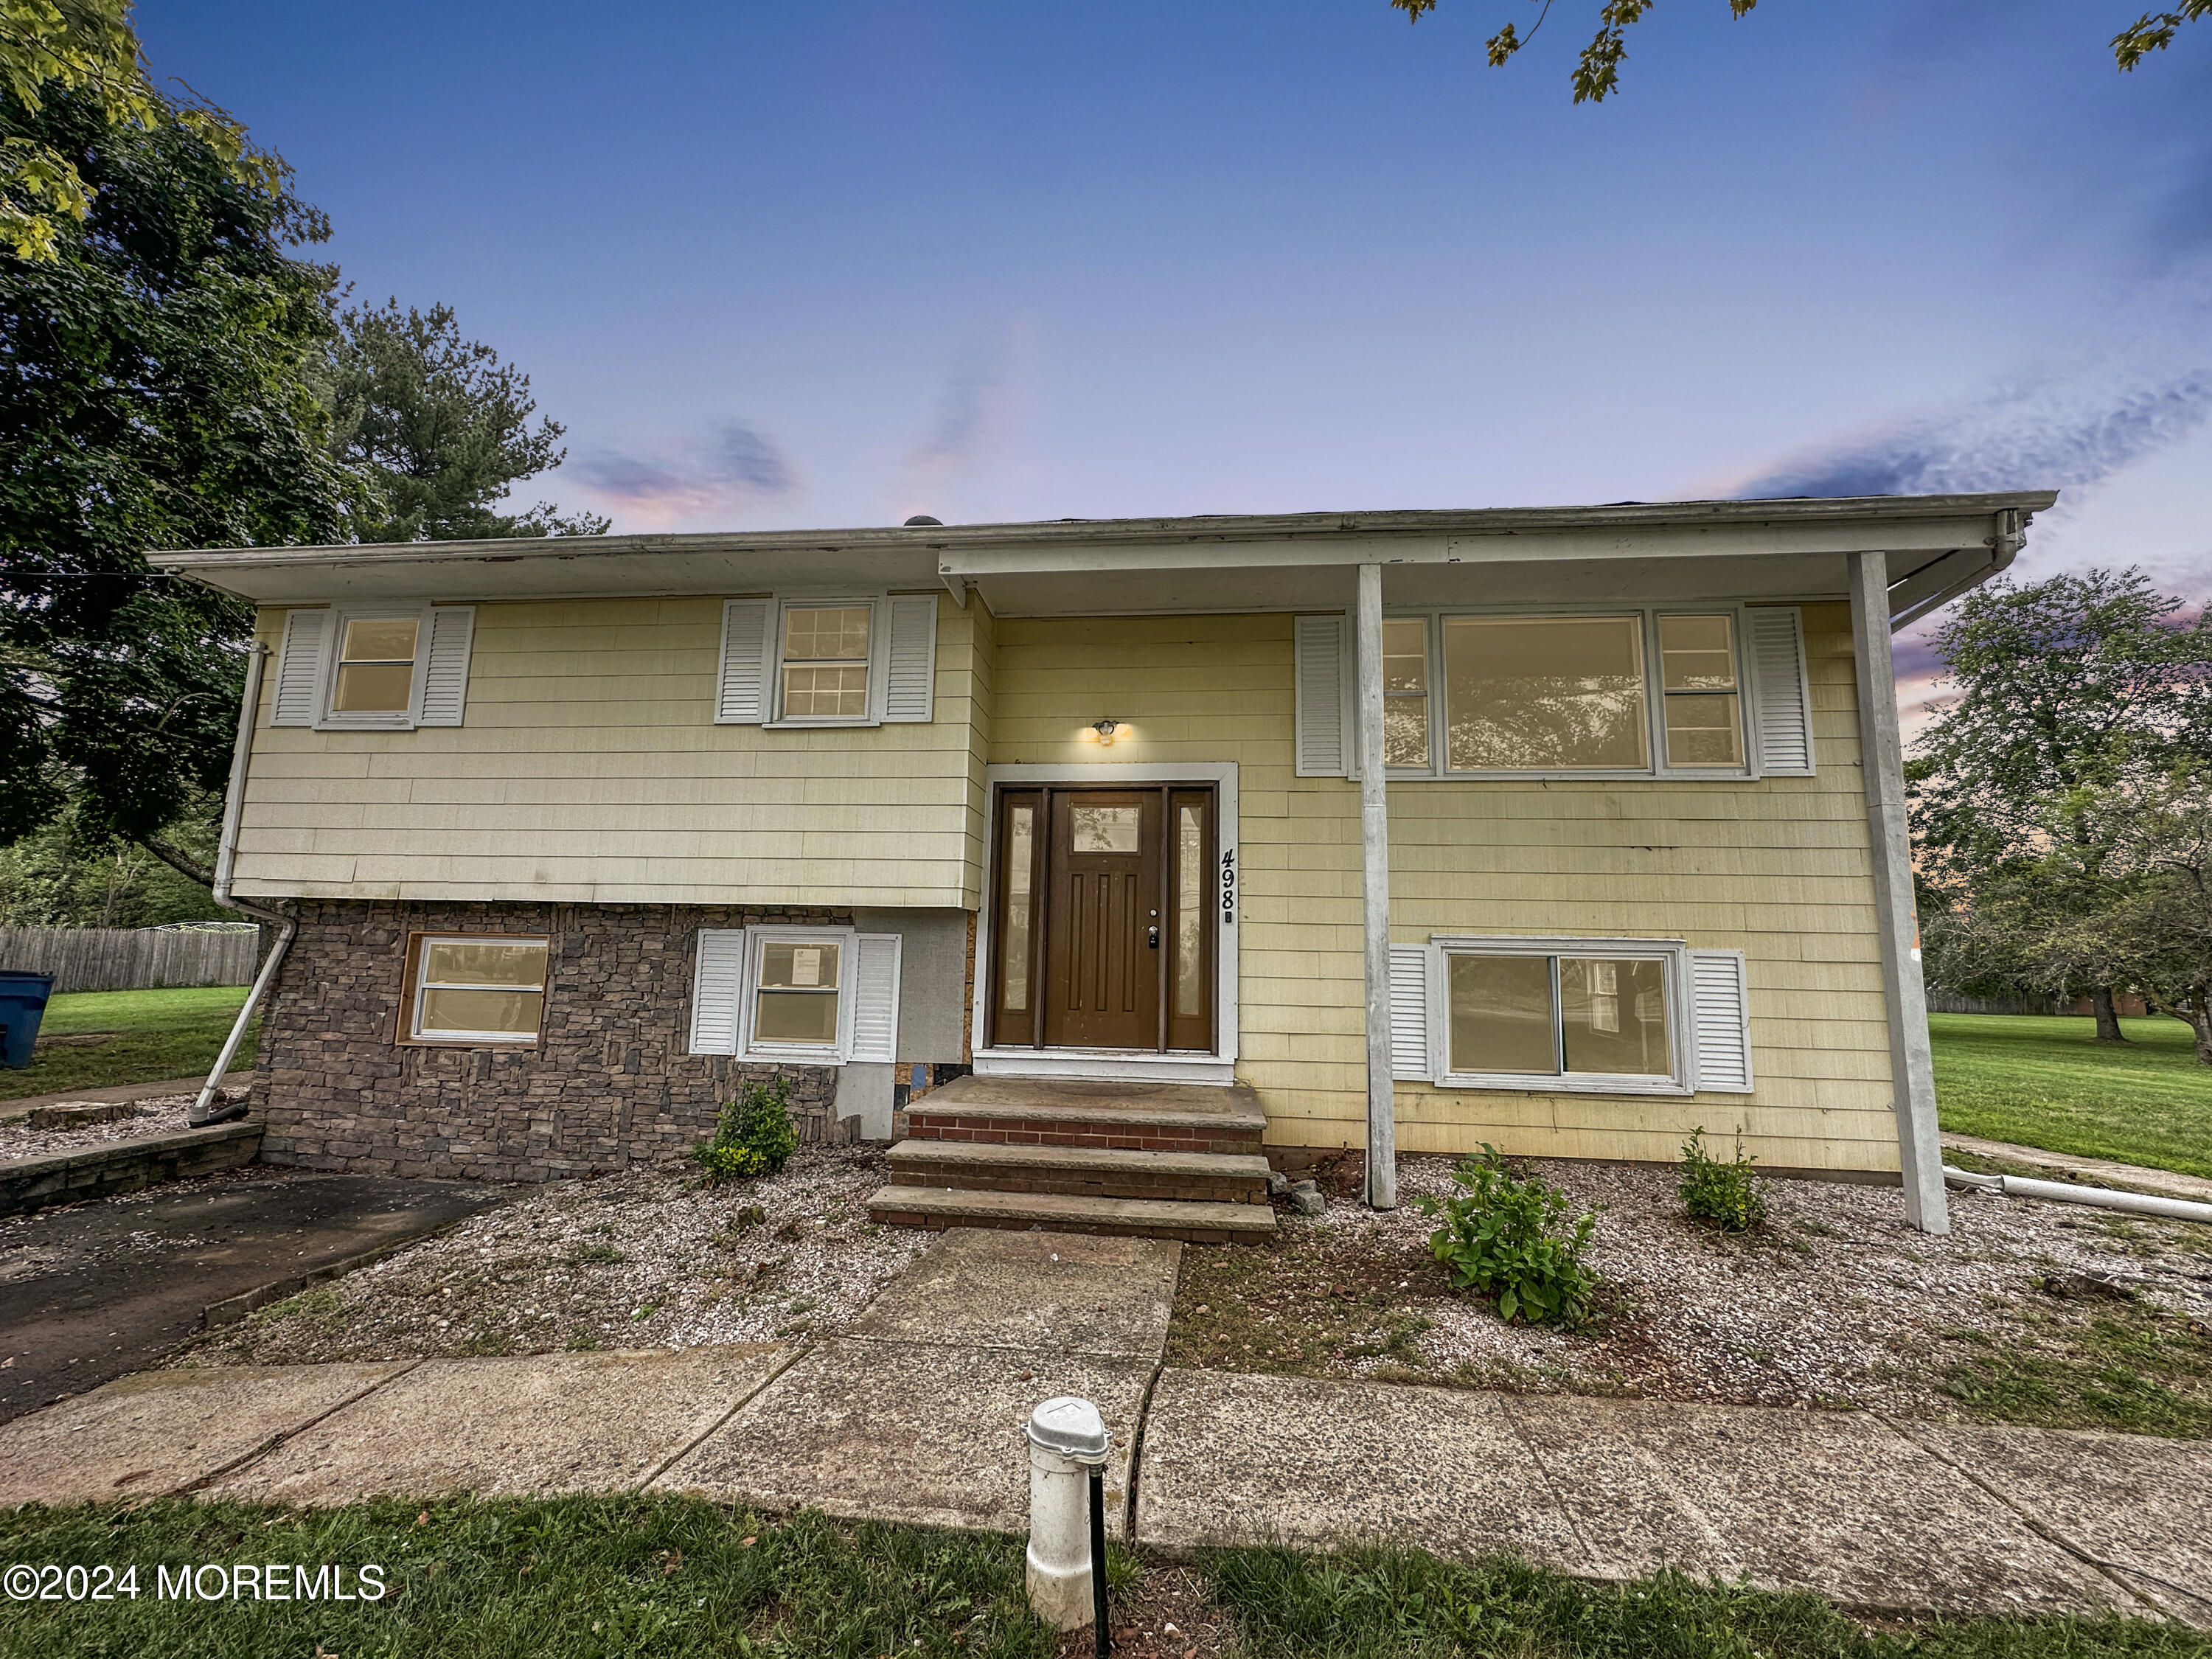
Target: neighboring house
(580,833)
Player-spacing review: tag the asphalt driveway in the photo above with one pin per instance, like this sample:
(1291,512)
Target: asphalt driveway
(90,1292)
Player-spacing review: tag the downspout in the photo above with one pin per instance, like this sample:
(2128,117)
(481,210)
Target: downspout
(204,1110)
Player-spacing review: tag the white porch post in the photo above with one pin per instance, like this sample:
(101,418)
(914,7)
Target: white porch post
(1375,847)
(1912,1076)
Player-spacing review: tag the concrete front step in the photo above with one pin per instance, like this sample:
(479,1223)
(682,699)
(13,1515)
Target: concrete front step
(1067,1212)
(1130,1117)
(1094,1171)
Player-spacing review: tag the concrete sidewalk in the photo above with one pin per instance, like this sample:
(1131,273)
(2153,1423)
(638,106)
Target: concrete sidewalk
(915,1416)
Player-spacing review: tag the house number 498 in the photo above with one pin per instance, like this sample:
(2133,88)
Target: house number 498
(1228,886)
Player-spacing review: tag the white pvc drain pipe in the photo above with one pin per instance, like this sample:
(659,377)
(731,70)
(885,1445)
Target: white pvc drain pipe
(1066,1555)
(2065,1191)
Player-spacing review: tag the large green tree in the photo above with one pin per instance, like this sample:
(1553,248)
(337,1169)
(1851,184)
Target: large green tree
(158,380)
(440,429)
(87,50)
(1597,69)
(2080,720)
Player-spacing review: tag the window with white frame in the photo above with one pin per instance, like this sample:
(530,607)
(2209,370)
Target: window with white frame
(827,660)
(823,995)
(1591,1015)
(1709,690)
(476,988)
(373,667)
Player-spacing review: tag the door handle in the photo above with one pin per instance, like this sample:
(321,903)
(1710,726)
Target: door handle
(1153,937)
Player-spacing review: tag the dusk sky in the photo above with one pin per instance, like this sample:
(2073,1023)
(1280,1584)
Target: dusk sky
(834,263)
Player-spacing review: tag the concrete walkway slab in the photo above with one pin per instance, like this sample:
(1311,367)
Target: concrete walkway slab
(912,1432)
(980,1287)
(158,1432)
(540,1423)
(1836,1503)
(1238,1459)
(2142,1505)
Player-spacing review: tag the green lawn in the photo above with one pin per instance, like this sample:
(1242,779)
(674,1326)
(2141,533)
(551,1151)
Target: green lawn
(667,1577)
(158,1035)
(2037,1081)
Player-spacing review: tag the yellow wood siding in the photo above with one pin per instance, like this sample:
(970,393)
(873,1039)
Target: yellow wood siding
(590,769)
(1777,868)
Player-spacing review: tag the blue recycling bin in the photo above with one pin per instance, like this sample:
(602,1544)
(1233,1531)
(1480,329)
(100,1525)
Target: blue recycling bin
(22,1006)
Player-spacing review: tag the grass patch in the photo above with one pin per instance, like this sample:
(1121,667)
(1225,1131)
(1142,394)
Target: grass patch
(2044,1082)
(2131,1368)
(577,1578)
(1402,1605)
(668,1577)
(1291,1306)
(158,1035)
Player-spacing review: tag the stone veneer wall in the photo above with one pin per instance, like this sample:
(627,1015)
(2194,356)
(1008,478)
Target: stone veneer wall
(611,1083)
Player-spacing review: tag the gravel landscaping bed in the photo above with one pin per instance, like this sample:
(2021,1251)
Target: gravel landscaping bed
(2028,1312)
(648,1258)
(164,1115)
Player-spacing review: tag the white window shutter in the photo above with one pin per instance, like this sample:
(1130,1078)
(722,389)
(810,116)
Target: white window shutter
(911,665)
(1783,700)
(743,693)
(446,675)
(875,998)
(718,989)
(300,668)
(1720,1021)
(1409,1013)
(1324,735)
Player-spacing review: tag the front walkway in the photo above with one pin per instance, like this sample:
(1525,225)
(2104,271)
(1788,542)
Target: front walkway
(914,1414)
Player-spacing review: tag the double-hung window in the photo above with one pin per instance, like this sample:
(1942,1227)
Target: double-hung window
(822,996)
(827,659)
(476,988)
(373,668)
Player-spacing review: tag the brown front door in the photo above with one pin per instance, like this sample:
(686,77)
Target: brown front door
(1104,923)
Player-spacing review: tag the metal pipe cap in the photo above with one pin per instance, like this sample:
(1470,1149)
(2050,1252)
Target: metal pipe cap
(1071,1427)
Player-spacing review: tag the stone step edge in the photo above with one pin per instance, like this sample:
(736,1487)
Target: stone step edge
(1119,1117)
(997,1154)
(1203,1214)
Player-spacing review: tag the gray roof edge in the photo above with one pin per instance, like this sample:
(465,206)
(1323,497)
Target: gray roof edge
(1469,521)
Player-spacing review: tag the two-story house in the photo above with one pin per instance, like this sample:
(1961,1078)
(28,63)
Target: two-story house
(1568,829)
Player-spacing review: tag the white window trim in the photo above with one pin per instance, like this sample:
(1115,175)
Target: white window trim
(1680,1031)
(1648,612)
(879,626)
(416,1033)
(330,720)
(848,961)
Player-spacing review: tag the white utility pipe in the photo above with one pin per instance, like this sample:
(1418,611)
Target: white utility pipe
(1068,1437)
(2064,1192)
(225,860)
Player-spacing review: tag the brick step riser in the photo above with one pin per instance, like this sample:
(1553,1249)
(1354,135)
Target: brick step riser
(1196,1190)
(890,1218)
(1112,1137)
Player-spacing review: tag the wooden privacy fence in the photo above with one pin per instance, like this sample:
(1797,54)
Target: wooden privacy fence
(131,958)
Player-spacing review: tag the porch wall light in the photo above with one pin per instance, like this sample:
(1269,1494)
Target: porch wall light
(1106,729)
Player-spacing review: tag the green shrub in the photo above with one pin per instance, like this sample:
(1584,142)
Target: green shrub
(1725,1194)
(1509,1238)
(754,1137)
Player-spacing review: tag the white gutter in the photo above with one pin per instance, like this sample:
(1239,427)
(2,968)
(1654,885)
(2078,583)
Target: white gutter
(226,863)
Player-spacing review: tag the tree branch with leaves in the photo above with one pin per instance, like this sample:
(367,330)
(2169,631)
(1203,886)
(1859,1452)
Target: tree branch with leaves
(1597,69)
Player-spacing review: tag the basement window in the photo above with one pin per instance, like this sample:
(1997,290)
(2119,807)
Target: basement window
(1603,1015)
(476,988)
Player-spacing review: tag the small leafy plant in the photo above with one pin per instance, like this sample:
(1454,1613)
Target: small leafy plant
(754,1137)
(1508,1236)
(1725,1194)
